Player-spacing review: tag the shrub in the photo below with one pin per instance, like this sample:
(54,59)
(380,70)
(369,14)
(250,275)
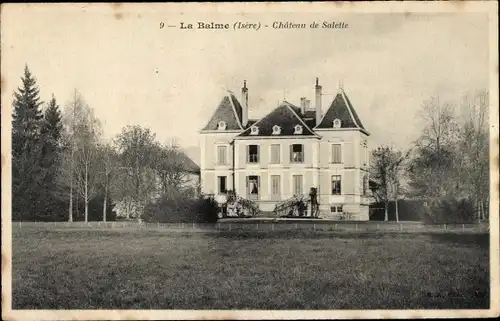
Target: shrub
(448,211)
(181,208)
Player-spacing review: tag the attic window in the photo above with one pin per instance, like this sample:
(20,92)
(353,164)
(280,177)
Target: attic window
(336,123)
(222,125)
(254,130)
(298,129)
(276,130)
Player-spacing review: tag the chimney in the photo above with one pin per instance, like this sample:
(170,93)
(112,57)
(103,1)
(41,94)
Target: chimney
(307,104)
(318,102)
(303,105)
(244,98)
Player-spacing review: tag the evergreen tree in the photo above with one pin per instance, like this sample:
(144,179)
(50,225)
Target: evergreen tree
(51,135)
(27,174)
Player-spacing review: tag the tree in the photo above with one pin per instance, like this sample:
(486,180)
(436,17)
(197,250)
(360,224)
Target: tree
(170,168)
(109,166)
(51,144)
(386,171)
(473,150)
(432,170)
(136,147)
(78,172)
(27,173)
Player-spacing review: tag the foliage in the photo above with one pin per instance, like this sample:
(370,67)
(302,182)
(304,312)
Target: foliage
(448,211)
(27,173)
(176,206)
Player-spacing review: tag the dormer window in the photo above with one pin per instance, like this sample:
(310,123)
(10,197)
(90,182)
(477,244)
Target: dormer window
(222,125)
(254,130)
(336,123)
(298,129)
(276,130)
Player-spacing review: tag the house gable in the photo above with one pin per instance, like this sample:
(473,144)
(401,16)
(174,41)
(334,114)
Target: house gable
(286,117)
(229,111)
(341,109)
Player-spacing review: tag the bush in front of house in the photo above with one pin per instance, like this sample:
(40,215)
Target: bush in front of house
(178,207)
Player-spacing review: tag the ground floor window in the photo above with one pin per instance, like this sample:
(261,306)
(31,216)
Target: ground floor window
(222,184)
(336,183)
(336,208)
(297,185)
(253,187)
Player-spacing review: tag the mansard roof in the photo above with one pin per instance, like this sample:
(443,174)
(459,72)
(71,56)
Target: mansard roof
(342,109)
(229,111)
(287,116)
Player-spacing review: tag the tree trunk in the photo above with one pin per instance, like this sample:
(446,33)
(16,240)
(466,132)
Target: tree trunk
(105,203)
(70,218)
(397,212)
(386,211)
(86,194)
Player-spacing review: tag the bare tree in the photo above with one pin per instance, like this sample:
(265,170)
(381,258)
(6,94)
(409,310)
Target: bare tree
(170,168)
(386,171)
(136,148)
(474,150)
(109,165)
(432,169)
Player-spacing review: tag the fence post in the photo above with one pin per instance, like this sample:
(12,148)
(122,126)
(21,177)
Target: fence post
(356,226)
(193,225)
(257,226)
(378,226)
(463,227)
(314,227)
(272,226)
(445,227)
(296,226)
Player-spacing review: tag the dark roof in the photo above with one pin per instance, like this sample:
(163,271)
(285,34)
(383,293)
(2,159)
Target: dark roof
(229,111)
(188,164)
(286,117)
(342,109)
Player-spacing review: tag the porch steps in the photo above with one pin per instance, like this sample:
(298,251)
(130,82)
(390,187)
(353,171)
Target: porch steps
(266,214)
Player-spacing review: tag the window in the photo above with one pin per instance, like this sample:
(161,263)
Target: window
(297,153)
(336,153)
(222,155)
(336,123)
(298,129)
(336,185)
(275,187)
(276,130)
(253,186)
(254,130)
(297,185)
(253,154)
(222,188)
(222,125)
(275,154)
(336,208)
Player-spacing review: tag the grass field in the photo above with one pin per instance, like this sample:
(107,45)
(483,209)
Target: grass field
(115,269)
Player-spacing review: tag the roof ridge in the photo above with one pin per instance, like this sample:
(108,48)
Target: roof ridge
(342,93)
(230,96)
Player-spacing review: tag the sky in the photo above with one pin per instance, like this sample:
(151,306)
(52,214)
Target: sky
(171,80)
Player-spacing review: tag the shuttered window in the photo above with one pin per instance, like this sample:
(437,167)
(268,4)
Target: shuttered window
(297,185)
(336,153)
(222,155)
(275,154)
(275,186)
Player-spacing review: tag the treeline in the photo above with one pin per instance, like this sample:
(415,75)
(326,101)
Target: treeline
(446,170)
(64,169)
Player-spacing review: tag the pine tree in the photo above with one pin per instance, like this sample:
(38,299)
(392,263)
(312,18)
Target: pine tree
(27,174)
(50,206)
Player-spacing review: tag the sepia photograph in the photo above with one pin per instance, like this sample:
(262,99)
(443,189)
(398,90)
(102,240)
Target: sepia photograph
(249,160)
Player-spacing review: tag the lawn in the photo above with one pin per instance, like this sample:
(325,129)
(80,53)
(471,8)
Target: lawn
(112,269)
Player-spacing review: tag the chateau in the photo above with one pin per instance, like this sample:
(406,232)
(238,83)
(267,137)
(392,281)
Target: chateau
(287,152)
